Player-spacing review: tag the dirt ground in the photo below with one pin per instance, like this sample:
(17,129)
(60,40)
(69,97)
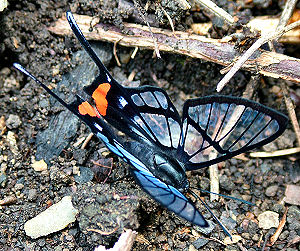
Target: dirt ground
(39,128)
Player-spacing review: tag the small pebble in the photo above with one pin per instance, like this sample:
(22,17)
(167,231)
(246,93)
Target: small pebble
(11,139)
(292,195)
(85,175)
(3,179)
(204,183)
(8,200)
(32,194)
(226,183)
(19,186)
(207,230)
(199,243)
(235,239)
(13,121)
(268,219)
(271,190)
(39,166)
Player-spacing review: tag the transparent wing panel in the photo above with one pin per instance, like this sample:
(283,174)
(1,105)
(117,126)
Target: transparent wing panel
(216,128)
(155,116)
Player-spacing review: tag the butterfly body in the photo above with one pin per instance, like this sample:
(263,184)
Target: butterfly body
(162,145)
(162,166)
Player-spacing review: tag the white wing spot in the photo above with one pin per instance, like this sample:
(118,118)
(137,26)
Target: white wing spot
(123,102)
(98,127)
(108,78)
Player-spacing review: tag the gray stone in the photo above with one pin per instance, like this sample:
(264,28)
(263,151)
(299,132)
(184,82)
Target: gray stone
(271,190)
(13,121)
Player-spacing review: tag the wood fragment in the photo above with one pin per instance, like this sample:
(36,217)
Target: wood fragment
(124,243)
(263,24)
(214,50)
(134,52)
(170,20)
(275,153)
(213,169)
(279,229)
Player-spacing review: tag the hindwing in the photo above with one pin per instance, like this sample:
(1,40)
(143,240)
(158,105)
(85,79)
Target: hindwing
(216,128)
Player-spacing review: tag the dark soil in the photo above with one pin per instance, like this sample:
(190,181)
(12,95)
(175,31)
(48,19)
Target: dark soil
(41,130)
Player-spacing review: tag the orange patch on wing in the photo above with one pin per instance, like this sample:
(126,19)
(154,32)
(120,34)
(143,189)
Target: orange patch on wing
(85,108)
(99,95)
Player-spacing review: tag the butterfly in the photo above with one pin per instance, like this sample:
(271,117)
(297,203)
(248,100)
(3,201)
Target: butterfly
(164,145)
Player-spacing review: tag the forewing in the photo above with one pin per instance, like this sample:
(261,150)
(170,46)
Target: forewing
(216,128)
(144,113)
(169,197)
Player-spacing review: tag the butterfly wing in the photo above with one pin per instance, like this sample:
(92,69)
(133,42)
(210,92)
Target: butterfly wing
(169,197)
(216,128)
(144,113)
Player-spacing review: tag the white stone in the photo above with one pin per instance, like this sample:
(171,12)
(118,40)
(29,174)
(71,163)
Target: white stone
(53,219)
(268,219)
(39,165)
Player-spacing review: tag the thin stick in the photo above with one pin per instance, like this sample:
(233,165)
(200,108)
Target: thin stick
(170,21)
(212,7)
(275,153)
(137,5)
(115,53)
(251,50)
(286,14)
(275,236)
(291,111)
(87,140)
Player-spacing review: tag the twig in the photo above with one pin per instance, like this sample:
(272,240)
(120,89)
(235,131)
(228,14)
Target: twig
(212,7)
(251,50)
(215,50)
(214,179)
(184,4)
(87,140)
(291,111)
(275,153)
(115,53)
(102,232)
(275,236)
(134,52)
(213,169)
(137,5)
(170,20)
(286,14)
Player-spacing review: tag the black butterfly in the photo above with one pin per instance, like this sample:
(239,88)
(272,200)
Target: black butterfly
(165,146)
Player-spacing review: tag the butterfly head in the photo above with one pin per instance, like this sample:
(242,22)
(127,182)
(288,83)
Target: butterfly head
(170,171)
